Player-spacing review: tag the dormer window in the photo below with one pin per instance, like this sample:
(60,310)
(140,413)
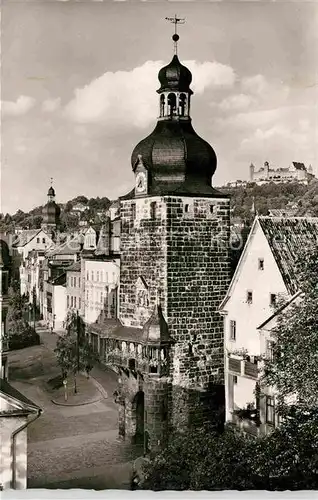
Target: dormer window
(261,264)
(249,297)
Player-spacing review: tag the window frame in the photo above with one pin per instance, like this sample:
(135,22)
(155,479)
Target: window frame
(271,406)
(232,329)
(133,210)
(269,349)
(261,264)
(272,302)
(249,296)
(153,210)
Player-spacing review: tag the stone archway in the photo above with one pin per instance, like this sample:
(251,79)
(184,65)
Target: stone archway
(138,417)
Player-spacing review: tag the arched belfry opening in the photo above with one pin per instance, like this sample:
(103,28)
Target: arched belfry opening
(182,104)
(172,104)
(162,105)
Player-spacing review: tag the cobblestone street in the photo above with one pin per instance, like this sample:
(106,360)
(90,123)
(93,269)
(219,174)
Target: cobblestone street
(70,446)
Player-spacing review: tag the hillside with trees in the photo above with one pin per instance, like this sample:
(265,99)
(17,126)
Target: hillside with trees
(69,220)
(299,197)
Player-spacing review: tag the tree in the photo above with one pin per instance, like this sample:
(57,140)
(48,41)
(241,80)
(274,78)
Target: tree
(289,456)
(293,369)
(19,333)
(74,352)
(69,221)
(205,460)
(68,207)
(80,199)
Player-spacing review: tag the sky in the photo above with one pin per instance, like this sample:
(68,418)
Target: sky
(79,81)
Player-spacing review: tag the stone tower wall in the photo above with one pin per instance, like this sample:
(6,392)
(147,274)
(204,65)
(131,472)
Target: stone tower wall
(198,275)
(184,252)
(143,254)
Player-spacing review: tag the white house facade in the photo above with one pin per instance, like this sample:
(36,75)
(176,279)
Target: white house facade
(101,288)
(264,274)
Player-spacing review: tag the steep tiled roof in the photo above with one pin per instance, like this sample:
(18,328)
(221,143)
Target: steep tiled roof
(288,237)
(113,328)
(74,267)
(27,405)
(299,166)
(59,280)
(281,212)
(25,236)
(68,248)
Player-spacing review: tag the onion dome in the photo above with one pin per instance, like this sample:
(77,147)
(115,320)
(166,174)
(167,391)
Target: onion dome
(51,191)
(51,213)
(176,159)
(175,76)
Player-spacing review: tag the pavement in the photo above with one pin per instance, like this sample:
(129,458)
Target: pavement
(74,446)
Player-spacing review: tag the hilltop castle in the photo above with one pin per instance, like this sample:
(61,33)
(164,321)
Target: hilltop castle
(295,172)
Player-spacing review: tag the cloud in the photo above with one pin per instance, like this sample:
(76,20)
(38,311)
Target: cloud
(236,102)
(128,98)
(256,84)
(51,105)
(210,74)
(275,141)
(17,108)
(265,90)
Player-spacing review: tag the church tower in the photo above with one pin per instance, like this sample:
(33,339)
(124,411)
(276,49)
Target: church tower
(175,262)
(51,213)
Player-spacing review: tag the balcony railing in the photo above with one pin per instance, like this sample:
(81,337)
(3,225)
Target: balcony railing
(250,369)
(135,363)
(235,365)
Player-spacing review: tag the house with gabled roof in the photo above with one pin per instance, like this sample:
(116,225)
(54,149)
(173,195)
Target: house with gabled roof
(32,239)
(16,413)
(265,273)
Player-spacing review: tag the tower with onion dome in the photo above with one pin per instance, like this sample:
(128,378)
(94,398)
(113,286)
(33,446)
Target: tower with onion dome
(175,268)
(51,212)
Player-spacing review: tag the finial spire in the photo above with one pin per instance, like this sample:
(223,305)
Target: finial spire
(175,37)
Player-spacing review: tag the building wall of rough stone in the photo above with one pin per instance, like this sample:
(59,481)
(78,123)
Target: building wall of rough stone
(198,274)
(184,254)
(158,393)
(128,385)
(143,254)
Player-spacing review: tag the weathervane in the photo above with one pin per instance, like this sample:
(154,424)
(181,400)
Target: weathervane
(175,20)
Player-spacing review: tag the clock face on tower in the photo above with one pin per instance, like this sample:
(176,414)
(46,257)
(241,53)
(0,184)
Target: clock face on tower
(141,182)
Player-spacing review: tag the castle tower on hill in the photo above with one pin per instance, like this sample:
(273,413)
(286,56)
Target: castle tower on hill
(175,270)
